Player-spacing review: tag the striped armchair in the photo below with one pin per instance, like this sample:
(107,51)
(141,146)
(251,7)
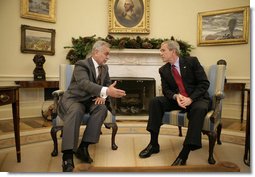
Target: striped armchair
(65,76)
(212,123)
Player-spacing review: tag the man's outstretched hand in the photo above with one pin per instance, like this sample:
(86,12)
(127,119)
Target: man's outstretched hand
(114,92)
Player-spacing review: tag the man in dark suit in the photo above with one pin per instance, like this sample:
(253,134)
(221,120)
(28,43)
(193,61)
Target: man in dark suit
(184,86)
(88,91)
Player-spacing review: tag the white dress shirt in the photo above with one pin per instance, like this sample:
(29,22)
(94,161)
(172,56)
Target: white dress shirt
(104,89)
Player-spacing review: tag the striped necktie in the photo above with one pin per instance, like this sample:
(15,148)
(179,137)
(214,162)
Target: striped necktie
(99,74)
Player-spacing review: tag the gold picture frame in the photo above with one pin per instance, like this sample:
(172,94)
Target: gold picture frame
(37,40)
(223,27)
(42,10)
(133,20)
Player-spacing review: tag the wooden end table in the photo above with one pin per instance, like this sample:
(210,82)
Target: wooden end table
(9,94)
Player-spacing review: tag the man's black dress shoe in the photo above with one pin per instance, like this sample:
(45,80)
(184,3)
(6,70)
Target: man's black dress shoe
(150,149)
(68,165)
(83,155)
(179,162)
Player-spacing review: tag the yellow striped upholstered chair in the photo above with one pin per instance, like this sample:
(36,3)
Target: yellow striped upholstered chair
(65,76)
(212,123)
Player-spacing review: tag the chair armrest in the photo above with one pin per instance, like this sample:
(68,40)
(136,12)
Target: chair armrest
(56,94)
(218,97)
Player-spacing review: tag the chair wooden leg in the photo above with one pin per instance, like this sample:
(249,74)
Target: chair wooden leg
(114,127)
(114,132)
(212,139)
(219,133)
(53,133)
(180,130)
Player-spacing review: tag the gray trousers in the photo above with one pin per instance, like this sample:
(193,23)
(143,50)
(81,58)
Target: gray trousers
(72,121)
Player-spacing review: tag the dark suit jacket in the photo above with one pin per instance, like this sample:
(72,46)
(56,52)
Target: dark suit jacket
(83,85)
(193,75)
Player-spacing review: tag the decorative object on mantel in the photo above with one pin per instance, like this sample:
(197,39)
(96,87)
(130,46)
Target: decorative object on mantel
(82,46)
(39,73)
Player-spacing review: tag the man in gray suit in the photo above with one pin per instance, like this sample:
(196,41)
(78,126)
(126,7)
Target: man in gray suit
(88,91)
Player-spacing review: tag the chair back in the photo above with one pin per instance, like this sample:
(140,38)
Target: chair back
(216,77)
(65,76)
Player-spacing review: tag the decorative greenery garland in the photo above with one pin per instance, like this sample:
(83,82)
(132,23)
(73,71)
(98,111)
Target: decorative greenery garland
(82,46)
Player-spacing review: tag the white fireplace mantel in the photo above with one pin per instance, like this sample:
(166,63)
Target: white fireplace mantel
(135,51)
(136,63)
(135,57)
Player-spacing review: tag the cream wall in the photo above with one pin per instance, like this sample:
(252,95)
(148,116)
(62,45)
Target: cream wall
(180,20)
(86,17)
(76,18)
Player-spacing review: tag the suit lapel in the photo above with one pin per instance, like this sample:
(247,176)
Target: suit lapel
(182,68)
(169,73)
(92,69)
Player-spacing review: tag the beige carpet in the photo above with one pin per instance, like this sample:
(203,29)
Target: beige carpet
(36,157)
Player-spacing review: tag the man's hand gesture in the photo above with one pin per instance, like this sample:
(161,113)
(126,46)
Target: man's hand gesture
(114,92)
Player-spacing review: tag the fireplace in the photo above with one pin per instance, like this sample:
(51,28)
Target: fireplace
(137,67)
(139,92)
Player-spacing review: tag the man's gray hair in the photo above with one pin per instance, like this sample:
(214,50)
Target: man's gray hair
(99,44)
(173,45)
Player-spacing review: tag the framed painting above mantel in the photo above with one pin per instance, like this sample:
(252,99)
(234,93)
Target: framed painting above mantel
(129,16)
(42,10)
(223,27)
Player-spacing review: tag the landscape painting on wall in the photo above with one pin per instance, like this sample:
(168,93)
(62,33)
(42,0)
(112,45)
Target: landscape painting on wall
(223,27)
(42,10)
(37,40)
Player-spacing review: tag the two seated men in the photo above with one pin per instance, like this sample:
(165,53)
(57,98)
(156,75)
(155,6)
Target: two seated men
(184,86)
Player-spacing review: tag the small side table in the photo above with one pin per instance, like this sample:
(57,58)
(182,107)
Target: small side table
(9,94)
(38,84)
(247,151)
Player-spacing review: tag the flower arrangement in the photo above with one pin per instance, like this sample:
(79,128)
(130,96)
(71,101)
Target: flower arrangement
(82,46)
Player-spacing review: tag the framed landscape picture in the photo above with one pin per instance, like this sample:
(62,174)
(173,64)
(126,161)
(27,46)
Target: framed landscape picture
(43,10)
(129,16)
(37,40)
(223,27)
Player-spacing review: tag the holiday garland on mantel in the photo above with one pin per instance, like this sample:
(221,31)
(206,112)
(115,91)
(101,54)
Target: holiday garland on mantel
(82,46)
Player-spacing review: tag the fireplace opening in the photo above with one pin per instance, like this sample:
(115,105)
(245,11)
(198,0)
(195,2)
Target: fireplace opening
(139,92)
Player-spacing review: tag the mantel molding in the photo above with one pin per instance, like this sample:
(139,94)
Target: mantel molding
(135,51)
(146,57)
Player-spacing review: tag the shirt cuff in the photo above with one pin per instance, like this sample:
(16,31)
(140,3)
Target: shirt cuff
(174,96)
(103,92)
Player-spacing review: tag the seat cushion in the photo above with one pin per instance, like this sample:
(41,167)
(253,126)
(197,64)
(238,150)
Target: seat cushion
(110,118)
(179,118)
